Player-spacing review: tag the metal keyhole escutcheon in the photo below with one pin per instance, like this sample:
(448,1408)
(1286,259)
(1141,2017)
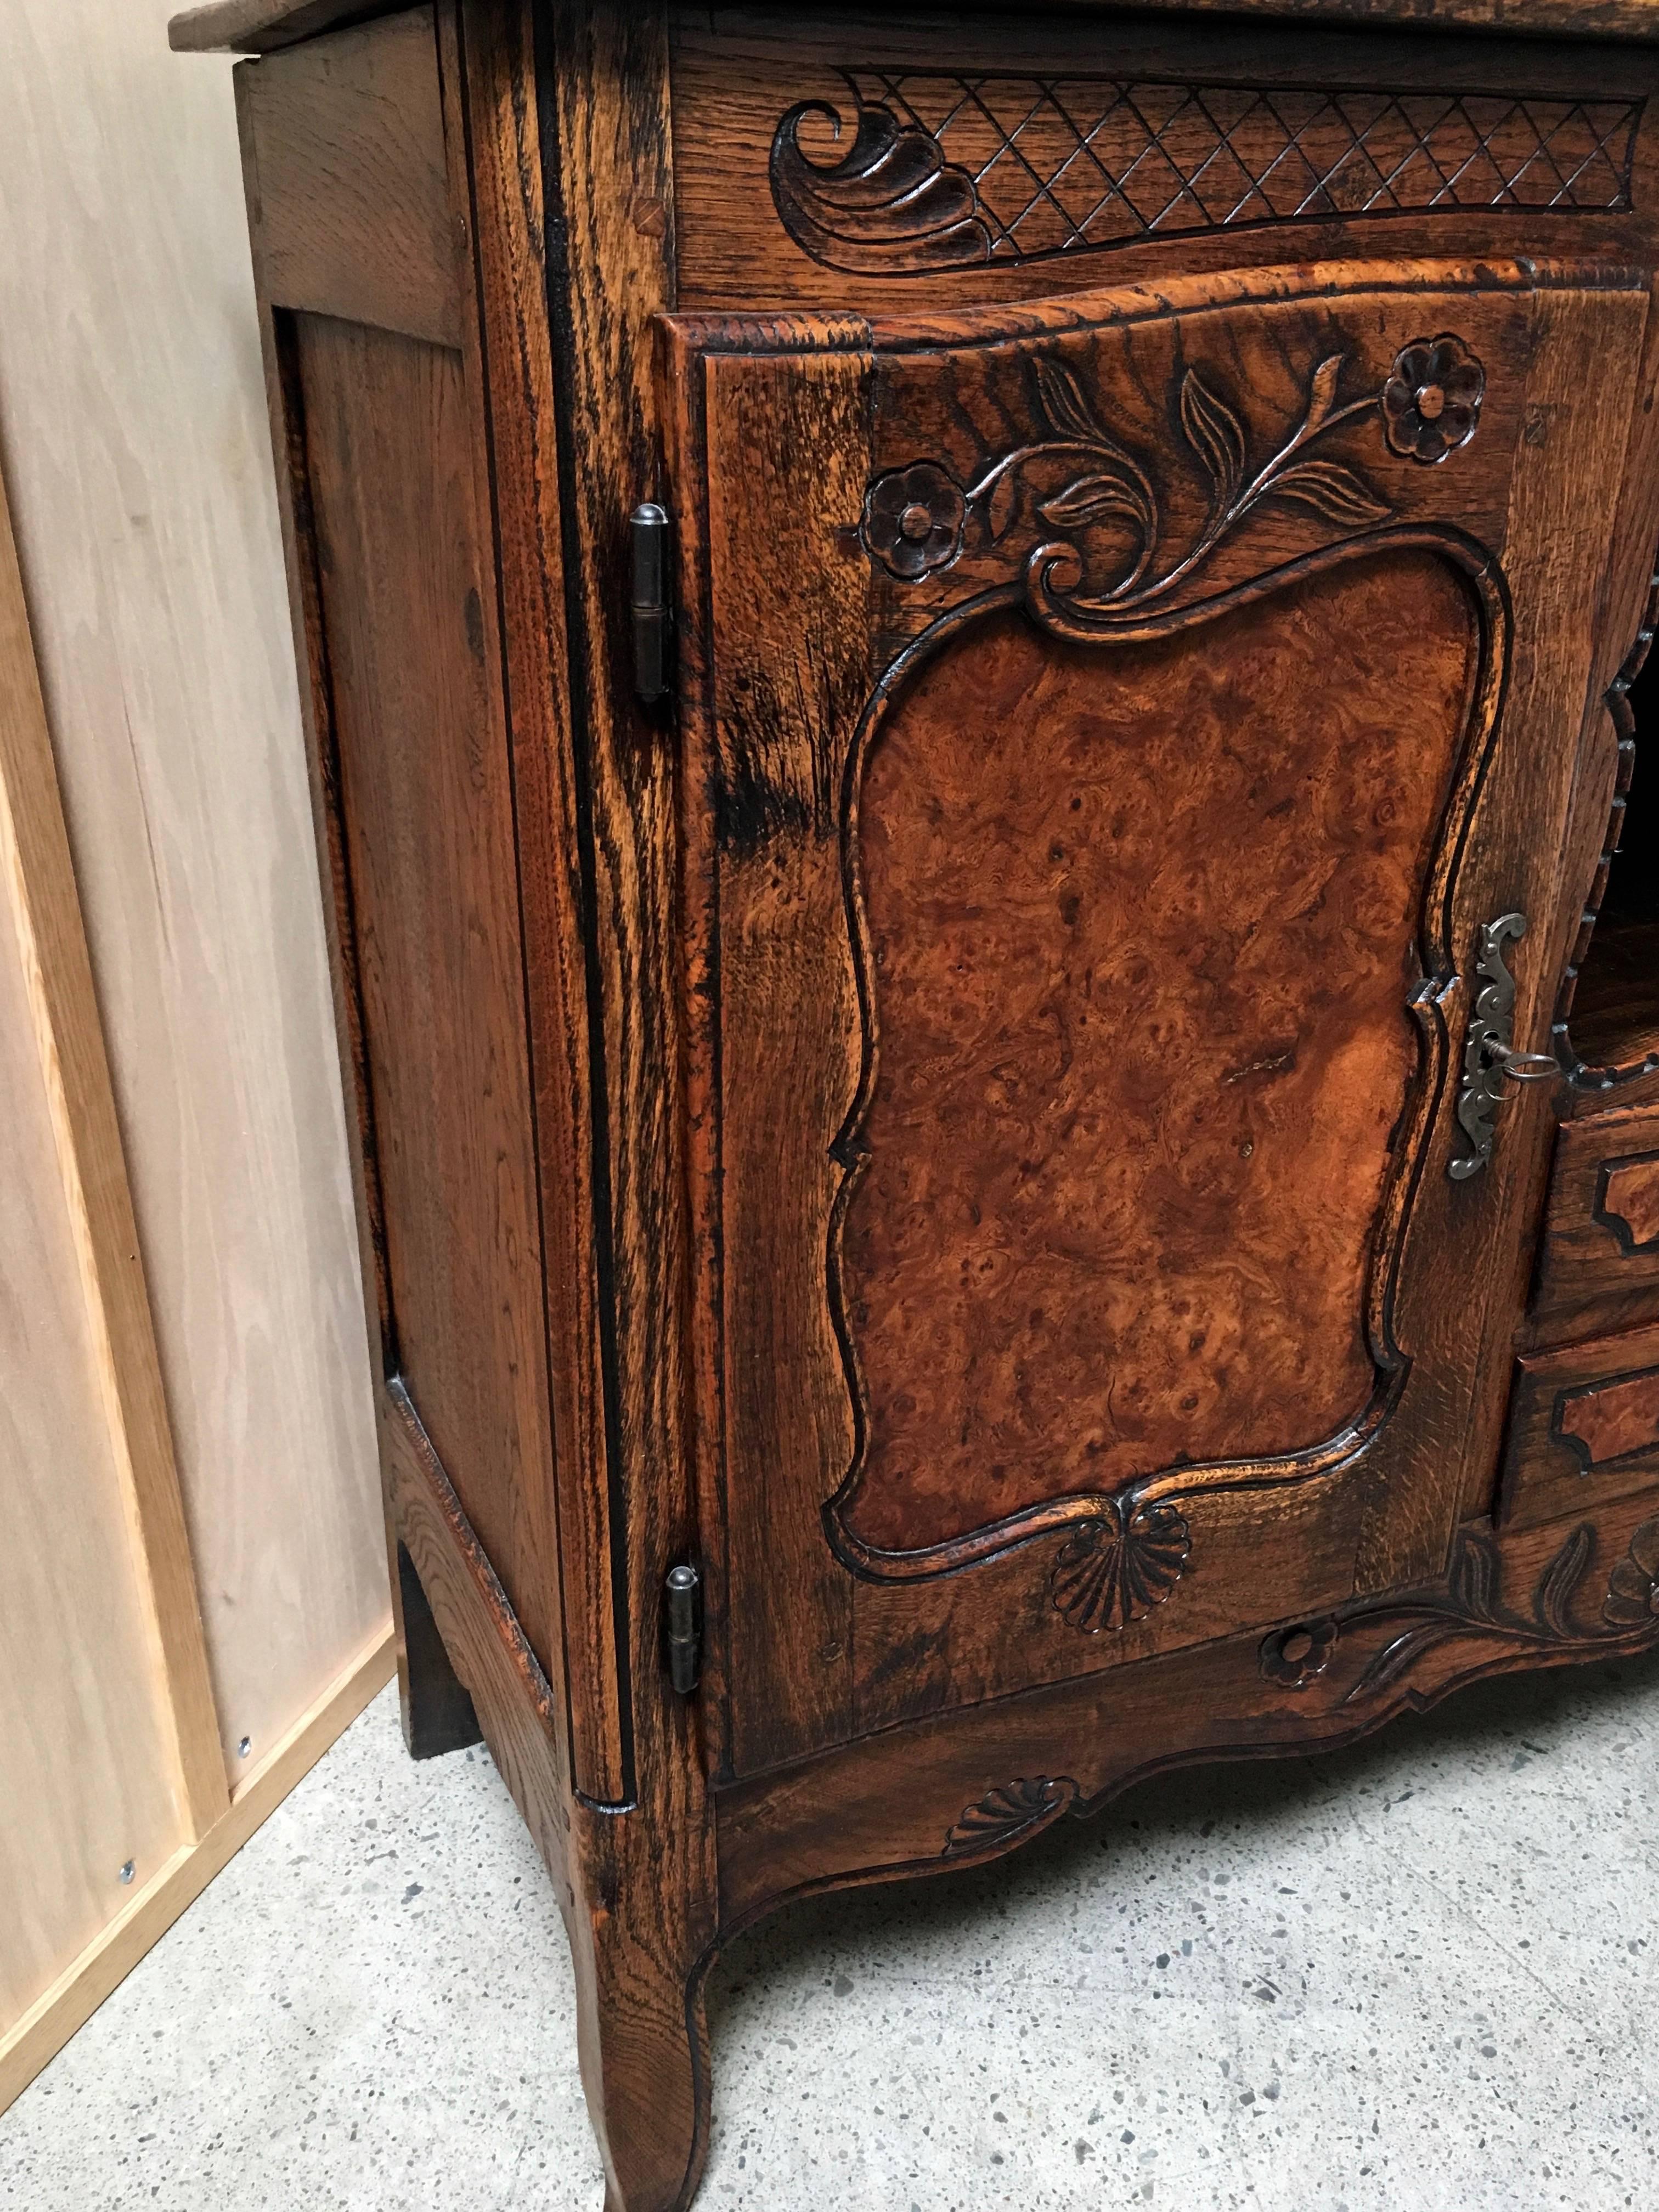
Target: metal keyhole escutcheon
(1490,1059)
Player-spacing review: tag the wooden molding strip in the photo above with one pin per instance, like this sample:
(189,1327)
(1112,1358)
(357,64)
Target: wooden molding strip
(116,1950)
(521,1718)
(37,875)
(258,25)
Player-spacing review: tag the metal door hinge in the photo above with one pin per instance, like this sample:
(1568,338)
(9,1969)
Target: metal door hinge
(683,1596)
(650,532)
(1490,1059)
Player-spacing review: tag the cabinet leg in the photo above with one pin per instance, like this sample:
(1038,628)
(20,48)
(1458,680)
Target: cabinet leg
(438,1715)
(643,2037)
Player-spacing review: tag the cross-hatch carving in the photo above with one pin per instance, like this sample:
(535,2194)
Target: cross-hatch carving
(945,170)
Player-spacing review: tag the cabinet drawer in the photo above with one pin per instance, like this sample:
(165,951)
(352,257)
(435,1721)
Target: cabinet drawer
(1583,1427)
(1598,1261)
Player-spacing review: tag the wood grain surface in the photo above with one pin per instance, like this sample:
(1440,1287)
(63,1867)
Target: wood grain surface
(38,878)
(137,450)
(88,1758)
(942,1791)
(348,179)
(950,395)
(1033,154)
(595,257)
(495,148)
(1143,929)
(246,26)
(429,813)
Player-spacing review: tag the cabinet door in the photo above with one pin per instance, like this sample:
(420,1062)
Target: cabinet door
(1110,728)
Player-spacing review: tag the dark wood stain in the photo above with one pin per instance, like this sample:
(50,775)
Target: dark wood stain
(1000,1036)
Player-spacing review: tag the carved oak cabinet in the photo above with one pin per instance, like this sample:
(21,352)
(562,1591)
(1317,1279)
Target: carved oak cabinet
(975,691)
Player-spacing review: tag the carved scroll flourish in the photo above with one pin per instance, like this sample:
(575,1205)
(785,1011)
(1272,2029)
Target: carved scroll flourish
(919,519)
(892,197)
(945,172)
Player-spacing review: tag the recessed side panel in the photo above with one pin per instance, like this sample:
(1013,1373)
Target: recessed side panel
(431,889)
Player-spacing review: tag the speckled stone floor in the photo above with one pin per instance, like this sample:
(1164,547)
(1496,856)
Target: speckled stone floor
(1420,1973)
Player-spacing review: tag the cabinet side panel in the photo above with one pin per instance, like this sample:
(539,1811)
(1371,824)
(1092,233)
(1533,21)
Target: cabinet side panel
(426,799)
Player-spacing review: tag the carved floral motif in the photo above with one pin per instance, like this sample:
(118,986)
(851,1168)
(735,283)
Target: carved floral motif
(1431,402)
(1115,1569)
(1293,1657)
(913,519)
(917,519)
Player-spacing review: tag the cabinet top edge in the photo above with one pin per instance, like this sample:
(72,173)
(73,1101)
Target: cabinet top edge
(262,26)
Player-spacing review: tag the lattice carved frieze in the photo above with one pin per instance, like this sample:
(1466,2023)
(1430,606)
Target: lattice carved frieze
(945,170)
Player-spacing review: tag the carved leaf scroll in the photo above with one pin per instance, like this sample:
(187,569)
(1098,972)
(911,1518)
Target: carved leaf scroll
(1471,1606)
(891,199)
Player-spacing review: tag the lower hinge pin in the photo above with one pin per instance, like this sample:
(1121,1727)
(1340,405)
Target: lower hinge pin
(685,1608)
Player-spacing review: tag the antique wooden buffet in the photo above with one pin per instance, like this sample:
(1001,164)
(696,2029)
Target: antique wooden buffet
(973,682)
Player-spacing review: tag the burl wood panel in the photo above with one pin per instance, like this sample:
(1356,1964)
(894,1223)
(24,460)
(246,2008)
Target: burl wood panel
(1143,924)
(1630,1201)
(1610,1420)
(429,852)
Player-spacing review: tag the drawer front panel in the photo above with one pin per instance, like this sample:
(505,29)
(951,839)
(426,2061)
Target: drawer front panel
(1584,1427)
(1598,1264)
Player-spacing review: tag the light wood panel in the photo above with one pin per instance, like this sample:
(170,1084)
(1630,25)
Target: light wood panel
(135,442)
(152,1905)
(87,1775)
(55,977)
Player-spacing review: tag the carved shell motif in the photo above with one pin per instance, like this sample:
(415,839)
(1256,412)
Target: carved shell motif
(1115,1569)
(1009,1814)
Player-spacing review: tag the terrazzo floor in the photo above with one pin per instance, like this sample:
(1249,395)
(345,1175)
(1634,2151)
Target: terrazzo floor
(1418,1974)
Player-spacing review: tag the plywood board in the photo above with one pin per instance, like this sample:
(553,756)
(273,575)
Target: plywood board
(87,1768)
(133,426)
